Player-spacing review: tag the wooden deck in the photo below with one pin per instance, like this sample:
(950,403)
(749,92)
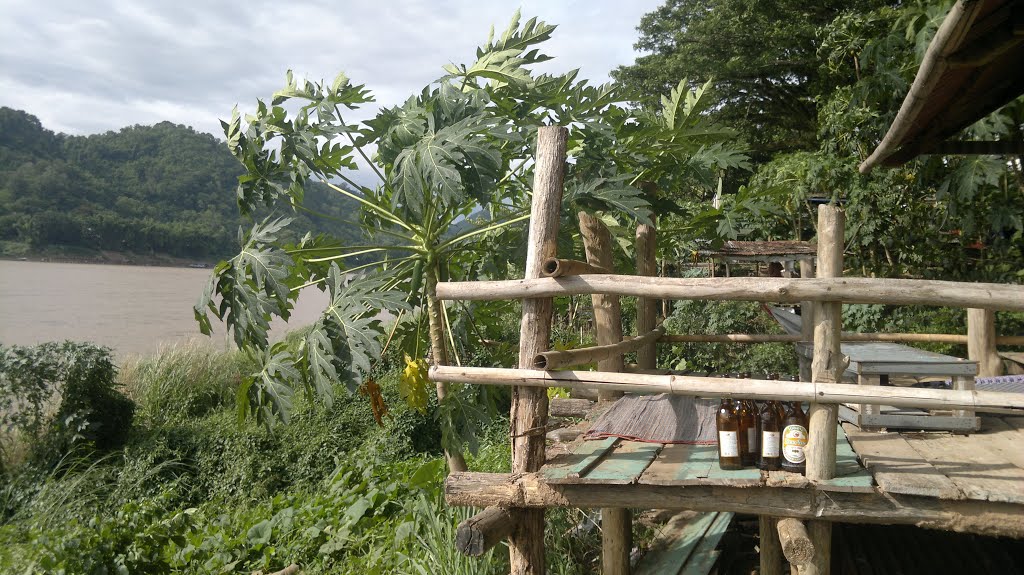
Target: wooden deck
(940,480)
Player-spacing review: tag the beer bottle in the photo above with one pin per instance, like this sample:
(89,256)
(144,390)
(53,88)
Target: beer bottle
(749,439)
(771,437)
(794,438)
(728,436)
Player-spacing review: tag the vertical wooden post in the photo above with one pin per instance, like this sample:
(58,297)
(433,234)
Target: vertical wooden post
(616,523)
(770,546)
(530,405)
(597,241)
(827,366)
(981,342)
(646,308)
(806,319)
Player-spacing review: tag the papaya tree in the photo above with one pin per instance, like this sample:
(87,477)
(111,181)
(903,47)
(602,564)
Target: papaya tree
(454,165)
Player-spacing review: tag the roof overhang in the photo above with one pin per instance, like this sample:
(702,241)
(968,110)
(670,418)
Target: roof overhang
(973,66)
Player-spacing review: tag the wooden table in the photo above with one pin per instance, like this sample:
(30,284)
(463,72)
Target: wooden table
(872,363)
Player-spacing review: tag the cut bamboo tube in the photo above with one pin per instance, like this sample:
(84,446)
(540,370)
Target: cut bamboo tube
(783,290)
(796,544)
(476,535)
(557,267)
(987,401)
(556,359)
(530,406)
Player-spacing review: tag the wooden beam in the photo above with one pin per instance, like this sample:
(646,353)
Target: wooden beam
(770,548)
(530,405)
(846,336)
(478,534)
(569,407)
(530,490)
(557,267)
(827,365)
(784,290)
(556,359)
(985,401)
(796,544)
(647,308)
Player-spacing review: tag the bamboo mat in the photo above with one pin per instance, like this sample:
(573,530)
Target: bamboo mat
(661,418)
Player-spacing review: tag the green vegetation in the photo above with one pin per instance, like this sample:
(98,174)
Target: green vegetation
(145,190)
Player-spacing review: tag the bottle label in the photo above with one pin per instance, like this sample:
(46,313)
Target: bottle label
(751,440)
(728,443)
(794,439)
(770,444)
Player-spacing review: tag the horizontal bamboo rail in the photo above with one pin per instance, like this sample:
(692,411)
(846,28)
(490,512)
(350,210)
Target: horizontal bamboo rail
(556,267)
(986,401)
(849,336)
(784,290)
(563,358)
(531,490)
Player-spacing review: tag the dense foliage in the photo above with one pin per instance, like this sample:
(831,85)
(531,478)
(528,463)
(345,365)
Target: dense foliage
(162,189)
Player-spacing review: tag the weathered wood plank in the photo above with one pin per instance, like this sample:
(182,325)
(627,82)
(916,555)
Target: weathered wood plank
(681,464)
(679,540)
(705,555)
(621,466)
(898,467)
(583,457)
(749,477)
(851,476)
(980,473)
(1000,437)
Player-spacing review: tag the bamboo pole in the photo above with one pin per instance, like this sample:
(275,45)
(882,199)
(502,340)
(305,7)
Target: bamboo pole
(556,359)
(597,241)
(846,336)
(530,406)
(982,341)
(616,523)
(827,366)
(832,393)
(557,267)
(784,290)
(807,271)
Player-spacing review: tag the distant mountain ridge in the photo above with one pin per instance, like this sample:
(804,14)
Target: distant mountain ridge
(162,189)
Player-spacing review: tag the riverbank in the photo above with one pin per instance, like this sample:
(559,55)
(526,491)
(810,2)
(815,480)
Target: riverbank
(19,251)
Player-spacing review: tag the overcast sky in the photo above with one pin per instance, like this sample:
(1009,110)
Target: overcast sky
(90,66)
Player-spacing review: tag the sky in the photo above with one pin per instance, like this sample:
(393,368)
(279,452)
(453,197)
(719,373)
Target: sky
(86,67)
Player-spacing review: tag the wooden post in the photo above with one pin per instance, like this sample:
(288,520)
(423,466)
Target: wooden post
(770,547)
(530,406)
(646,308)
(616,523)
(981,342)
(806,319)
(826,366)
(484,530)
(607,313)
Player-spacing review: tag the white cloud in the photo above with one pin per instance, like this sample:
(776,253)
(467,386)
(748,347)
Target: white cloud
(85,67)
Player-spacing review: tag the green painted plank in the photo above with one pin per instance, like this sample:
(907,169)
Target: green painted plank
(624,464)
(850,475)
(583,457)
(733,477)
(670,559)
(705,555)
(698,466)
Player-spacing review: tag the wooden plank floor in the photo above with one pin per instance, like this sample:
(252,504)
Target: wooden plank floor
(984,466)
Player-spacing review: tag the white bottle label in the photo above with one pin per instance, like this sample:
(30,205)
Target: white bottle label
(770,444)
(794,439)
(751,440)
(728,444)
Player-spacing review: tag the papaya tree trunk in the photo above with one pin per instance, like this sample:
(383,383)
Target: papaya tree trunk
(438,350)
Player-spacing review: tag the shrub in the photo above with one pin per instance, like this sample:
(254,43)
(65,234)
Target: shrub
(61,396)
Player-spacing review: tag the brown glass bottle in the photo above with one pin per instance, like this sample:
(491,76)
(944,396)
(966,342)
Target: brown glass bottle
(794,438)
(770,458)
(749,438)
(728,436)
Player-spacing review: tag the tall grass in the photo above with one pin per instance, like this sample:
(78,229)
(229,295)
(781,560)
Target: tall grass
(183,381)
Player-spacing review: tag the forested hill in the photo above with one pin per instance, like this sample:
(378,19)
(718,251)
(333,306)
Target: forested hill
(163,189)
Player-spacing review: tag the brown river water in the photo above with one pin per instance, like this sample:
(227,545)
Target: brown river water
(132,309)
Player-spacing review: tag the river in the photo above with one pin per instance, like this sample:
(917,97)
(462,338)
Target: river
(132,309)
